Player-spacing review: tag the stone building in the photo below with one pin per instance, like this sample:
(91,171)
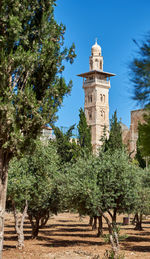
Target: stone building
(130,136)
(47,133)
(96,85)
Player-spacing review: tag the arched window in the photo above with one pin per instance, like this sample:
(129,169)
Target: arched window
(90,115)
(102,114)
(90,98)
(96,63)
(101,97)
(100,64)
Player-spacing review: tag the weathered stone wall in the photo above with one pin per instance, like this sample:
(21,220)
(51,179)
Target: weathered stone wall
(130,136)
(136,118)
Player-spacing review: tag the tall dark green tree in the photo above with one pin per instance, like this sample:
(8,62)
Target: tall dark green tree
(144,133)
(139,156)
(67,149)
(114,142)
(140,77)
(31,83)
(140,72)
(84,132)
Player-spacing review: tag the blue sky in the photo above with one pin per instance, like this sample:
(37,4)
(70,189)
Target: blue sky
(115,23)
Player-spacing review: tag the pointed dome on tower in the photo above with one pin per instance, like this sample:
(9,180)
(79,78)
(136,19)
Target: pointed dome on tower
(96,59)
(96,49)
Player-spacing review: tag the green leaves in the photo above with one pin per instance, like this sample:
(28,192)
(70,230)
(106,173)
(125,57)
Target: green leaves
(140,73)
(67,148)
(114,142)
(84,132)
(32,178)
(31,64)
(107,182)
(144,136)
(140,77)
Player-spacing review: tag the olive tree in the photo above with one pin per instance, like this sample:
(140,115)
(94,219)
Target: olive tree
(97,185)
(32,188)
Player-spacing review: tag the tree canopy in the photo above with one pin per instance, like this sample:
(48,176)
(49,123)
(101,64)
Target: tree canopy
(33,179)
(140,77)
(32,54)
(140,72)
(107,182)
(96,185)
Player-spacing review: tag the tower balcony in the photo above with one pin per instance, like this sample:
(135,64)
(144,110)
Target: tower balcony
(89,82)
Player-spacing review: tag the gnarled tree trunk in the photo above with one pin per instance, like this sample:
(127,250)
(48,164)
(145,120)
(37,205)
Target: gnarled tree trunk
(113,236)
(19,224)
(91,221)
(35,225)
(38,220)
(44,220)
(135,218)
(100,226)
(94,226)
(139,222)
(4,161)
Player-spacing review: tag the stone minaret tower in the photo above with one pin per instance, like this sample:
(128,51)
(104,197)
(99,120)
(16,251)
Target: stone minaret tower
(96,84)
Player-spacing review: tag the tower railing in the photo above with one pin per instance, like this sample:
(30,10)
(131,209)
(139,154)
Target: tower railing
(96,81)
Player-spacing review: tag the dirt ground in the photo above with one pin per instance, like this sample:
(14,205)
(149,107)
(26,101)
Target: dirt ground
(67,236)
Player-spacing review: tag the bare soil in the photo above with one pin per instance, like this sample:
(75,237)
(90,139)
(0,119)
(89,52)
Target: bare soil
(67,236)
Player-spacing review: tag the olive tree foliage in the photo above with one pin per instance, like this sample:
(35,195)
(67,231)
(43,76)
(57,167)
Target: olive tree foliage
(102,184)
(112,144)
(32,182)
(79,185)
(19,186)
(44,165)
(142,206)
(118,179)
(31,83)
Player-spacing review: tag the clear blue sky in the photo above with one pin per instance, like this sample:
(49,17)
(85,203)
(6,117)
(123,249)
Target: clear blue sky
(115,23)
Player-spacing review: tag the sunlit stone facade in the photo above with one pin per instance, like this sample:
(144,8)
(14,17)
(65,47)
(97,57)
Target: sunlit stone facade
(130,136)
(96,84)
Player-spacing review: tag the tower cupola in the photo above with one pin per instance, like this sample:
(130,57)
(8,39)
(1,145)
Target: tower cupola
(96,49)
(96,59)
